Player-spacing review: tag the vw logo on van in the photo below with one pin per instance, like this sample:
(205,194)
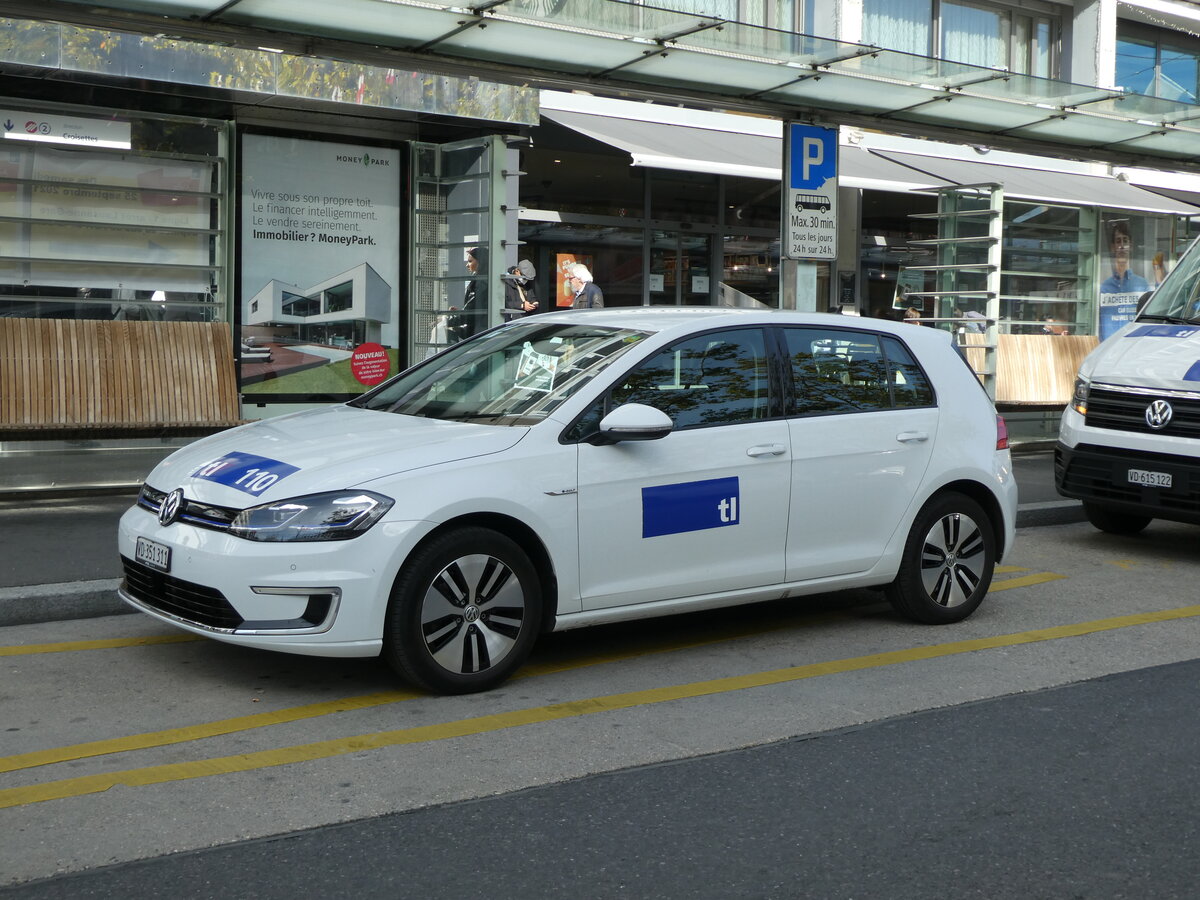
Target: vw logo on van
(1158,414)
(169,511)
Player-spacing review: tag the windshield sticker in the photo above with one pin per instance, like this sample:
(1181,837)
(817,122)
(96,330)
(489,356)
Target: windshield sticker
(1172,331)
(535,371)
(691,506)
(244,472)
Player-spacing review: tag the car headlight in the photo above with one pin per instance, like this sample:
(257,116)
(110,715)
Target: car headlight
(336,516)
(1079,397)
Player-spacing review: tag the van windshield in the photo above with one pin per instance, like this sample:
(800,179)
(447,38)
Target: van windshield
(1178,298)
(513,375)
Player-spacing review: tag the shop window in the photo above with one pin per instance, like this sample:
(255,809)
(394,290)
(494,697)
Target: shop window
(96,234)
(1047,269)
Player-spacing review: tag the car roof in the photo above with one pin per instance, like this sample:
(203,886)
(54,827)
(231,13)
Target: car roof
(686,319)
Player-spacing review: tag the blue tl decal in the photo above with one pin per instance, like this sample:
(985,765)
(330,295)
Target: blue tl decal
(244,472)
(1173,331)
(691,506)
(1192,374)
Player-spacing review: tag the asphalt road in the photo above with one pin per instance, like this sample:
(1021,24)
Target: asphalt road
(1082,791)
(824,748)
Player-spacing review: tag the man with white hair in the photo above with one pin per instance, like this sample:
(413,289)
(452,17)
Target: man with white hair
(587,294)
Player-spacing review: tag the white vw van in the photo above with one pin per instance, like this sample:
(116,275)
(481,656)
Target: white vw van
(1129,446)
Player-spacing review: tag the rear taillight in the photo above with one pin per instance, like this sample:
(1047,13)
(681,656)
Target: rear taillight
(1001,434)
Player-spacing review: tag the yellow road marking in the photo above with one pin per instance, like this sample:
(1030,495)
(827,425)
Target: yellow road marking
(1024,581)
(1006,570)
(107,644)
(244,762)
(188,733)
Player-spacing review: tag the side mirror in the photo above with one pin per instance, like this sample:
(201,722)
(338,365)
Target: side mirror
(635,422)
(1143,300)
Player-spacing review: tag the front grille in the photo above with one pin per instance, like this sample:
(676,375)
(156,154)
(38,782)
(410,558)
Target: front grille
(202,515)
(1090,472)
(176,597)
(1126,411)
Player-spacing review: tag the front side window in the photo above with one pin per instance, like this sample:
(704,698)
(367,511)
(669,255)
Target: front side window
(720,378)
(840,371)
(508,376)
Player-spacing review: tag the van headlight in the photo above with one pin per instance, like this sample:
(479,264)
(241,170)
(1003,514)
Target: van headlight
(1079,397)
(335,516)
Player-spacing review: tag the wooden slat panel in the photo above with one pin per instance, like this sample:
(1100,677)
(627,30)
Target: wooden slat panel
(108,374)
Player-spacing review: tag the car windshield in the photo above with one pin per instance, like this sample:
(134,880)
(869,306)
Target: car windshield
(1178,299)
(514,375)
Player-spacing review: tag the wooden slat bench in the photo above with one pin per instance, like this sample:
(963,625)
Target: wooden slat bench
(1035,369)
(63,378)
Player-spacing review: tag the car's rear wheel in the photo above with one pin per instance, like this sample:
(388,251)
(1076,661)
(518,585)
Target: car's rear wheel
(1107,519)
(948,562)
(464,612)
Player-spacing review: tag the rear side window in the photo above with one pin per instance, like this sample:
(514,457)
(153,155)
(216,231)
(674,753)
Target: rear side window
(836,370)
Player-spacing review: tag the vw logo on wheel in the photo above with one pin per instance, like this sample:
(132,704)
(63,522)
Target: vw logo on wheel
(1158,414)
(169,511)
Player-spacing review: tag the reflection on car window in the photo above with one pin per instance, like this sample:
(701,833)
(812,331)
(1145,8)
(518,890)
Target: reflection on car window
(714,379)
(838,370)
(508,376)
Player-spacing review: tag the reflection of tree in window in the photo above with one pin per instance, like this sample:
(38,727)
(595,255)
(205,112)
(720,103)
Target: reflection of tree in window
(712,380)
(836,371)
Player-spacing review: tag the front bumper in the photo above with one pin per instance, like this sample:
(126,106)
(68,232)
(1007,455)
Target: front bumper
(1099,474)
(324,598)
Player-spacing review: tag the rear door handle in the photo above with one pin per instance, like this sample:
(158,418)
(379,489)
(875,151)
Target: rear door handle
(912,437)
(766,450)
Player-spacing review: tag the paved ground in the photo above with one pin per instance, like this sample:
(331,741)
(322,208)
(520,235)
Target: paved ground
(60,558)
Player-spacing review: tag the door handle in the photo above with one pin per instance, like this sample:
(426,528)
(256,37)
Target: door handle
(912,437)
(766,450)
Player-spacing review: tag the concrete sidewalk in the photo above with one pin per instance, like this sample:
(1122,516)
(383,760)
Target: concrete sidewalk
(60,556)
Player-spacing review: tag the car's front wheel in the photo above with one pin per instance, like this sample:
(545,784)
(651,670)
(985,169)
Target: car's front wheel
(948,562)
(464,612)
(1113,522)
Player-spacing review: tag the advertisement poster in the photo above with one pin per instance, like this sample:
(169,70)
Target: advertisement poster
(320,266)
(1126,273)
(564,296)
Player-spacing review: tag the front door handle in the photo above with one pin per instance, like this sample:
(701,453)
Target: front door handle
(912,437)
(766,450)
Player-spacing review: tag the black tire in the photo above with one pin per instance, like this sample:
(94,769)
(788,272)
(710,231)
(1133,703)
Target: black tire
(948,562)
(1109,520)
(464,613)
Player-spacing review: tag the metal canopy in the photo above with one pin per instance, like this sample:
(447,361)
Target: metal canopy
(632,50)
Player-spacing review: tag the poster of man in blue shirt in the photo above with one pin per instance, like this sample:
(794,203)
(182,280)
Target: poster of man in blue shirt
(1119,293)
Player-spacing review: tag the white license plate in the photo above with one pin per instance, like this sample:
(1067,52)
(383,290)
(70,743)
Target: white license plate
(1150,479)
(155,555)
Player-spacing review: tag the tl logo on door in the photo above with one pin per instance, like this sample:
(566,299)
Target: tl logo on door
(691,506)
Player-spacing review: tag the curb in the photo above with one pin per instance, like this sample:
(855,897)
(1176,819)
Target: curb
(31,604)
(1051,512)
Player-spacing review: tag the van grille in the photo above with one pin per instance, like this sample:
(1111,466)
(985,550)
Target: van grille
(1123,410)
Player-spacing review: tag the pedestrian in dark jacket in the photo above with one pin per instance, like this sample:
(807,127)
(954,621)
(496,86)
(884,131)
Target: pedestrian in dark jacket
(520,293)
(587,294)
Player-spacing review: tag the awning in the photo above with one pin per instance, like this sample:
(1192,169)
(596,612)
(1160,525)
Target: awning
(637,50)
(1040,184)
(722,144)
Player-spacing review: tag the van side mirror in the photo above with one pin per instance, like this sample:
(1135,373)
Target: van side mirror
(635,422)
(1143,300)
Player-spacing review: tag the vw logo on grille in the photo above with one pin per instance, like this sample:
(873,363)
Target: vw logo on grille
(169,511)
(1158,414)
